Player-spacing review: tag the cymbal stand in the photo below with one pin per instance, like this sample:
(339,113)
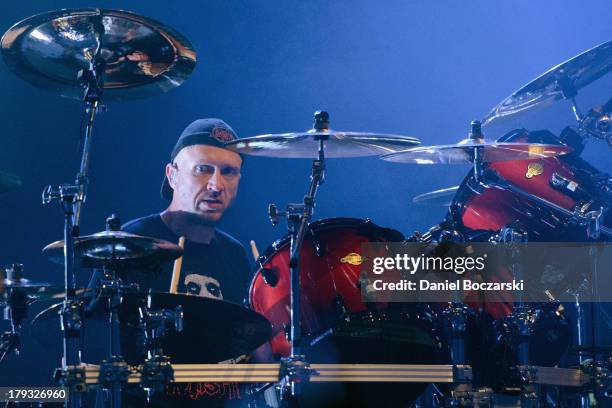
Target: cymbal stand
(114,371)
(157,371)
(455,319)
(71,198)
(585,325)
(521,319)
(597,122)
(569,91)
(295,368)
(71,320)
(477,155)
(15,310)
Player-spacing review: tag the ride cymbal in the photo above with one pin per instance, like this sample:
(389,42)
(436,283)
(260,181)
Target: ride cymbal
(305,145)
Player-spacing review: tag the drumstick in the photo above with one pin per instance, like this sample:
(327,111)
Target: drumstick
(176,270)
(254,250)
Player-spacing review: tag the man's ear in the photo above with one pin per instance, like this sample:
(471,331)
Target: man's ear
(171,174)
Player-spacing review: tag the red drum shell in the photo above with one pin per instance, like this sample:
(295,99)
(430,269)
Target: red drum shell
(494,208)
(329,277)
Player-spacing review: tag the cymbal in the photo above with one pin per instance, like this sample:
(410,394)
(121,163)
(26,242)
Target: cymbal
(23,284)
(443,197)
(213,330)
(118,247)
(9,182)
(560,82)
(138,56)
(305,145)
(32,290)
(463,152)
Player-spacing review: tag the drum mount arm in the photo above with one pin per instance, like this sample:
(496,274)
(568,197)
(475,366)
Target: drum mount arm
(597,123)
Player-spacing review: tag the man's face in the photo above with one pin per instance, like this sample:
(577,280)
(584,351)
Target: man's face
(205,181)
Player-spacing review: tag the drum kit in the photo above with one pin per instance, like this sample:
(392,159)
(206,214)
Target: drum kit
(305,296)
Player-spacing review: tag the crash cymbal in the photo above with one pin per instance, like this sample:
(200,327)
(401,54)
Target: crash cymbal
(213,330)
(305,145)
(137,56)
(9,182)
(463,152)
(560,82)
(443,197)
(118,247)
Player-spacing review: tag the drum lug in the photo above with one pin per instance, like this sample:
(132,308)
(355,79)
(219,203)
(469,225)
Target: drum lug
(316,243)
(340,309)
(270,276)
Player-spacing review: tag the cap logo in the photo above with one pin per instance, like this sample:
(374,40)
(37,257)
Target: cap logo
(222,134)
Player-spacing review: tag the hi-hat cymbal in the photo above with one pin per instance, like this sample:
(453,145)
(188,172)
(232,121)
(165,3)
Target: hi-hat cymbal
(305,145)
(138,56)
(115,247)
(463,152)
(560,82)
(32,290)
(443,197)
(213,330)
(23,284)
(9,182)
(13,282)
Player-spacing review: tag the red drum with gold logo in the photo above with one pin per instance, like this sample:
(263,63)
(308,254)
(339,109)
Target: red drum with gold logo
(566,182)
(338,326)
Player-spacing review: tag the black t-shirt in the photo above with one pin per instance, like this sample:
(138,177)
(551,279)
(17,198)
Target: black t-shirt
(218,270)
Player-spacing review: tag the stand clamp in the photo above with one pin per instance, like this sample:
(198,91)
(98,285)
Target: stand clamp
(71,377)
(113,371)
(295,371)
(155,373)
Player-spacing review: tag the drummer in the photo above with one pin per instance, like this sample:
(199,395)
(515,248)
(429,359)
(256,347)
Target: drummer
(201,183)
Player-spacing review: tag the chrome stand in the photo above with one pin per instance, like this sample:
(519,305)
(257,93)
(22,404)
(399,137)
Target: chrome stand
(72,197)
(295,367)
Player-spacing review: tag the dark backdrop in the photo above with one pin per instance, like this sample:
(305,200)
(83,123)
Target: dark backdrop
(420,68)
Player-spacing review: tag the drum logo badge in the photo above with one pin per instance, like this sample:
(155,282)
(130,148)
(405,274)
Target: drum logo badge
(352,259)
(534,169)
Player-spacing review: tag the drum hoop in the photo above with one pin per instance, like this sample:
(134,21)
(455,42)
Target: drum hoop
(319,225)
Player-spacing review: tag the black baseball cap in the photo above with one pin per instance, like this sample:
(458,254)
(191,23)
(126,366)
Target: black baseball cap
(211,132)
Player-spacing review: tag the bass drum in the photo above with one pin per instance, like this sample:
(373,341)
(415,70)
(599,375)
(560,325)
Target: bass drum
(337,324)
(567,182)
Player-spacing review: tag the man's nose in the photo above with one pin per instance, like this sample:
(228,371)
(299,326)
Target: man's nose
(215,182)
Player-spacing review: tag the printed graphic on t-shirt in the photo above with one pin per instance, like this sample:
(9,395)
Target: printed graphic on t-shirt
(196,391)
(202,285)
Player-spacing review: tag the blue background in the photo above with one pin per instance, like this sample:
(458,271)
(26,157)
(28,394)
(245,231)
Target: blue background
(419,68)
